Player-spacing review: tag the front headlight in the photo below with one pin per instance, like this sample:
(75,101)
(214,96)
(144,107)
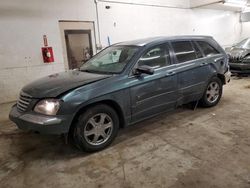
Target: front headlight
(47,106)
(247,57)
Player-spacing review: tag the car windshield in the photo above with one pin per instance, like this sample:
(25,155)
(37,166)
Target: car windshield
(112,60)
(243,44)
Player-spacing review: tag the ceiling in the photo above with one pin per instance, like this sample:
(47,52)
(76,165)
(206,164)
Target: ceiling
(231,5)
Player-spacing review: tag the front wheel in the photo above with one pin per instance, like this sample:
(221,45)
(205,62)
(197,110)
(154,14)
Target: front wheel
(96,128)
(213,93)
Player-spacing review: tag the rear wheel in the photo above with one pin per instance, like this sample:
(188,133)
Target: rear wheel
(213,93)
(96,128)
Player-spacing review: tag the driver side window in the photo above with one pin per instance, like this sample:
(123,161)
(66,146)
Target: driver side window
(155,57)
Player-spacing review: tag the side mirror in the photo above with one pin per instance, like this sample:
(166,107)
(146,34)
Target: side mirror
(144,69)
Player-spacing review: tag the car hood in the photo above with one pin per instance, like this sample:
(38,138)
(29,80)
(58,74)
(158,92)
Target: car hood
(237,52)
(56,84)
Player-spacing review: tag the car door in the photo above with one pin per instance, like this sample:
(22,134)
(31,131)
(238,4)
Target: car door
(190,69)
(152,94)
(214,60)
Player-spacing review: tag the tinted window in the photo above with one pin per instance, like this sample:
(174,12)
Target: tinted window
(207,48)
(198,51)
(156,57)
(184,51)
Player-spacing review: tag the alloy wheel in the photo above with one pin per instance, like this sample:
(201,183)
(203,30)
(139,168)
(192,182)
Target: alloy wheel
(98,129)
(213,92)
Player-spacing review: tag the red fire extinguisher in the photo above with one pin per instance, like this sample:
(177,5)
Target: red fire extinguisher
(47,52)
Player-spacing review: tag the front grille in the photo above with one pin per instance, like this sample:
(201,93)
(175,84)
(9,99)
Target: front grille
(235,59)
(23,102)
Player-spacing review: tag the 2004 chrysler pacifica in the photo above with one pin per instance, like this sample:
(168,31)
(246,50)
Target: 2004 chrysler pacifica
(121,85)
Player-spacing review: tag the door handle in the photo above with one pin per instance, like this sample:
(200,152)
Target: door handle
(171,73)
(203,64)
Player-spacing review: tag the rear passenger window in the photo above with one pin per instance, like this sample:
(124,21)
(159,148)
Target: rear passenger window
(156,57)
(184,51)
(207,48)
(198,51)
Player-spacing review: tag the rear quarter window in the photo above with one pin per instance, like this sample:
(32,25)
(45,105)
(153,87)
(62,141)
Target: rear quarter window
(207,49)
(197,50)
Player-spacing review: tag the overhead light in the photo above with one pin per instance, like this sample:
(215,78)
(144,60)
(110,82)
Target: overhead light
(236,3)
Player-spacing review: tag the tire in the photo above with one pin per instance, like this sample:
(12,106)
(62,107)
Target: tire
(212,93)
(96,128)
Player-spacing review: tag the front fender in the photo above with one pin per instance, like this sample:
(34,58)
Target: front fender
(120,100)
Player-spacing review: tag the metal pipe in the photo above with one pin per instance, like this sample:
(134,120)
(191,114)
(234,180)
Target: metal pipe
(142,4)
(98,23)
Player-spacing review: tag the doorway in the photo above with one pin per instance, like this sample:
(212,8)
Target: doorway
(79,47)
(78,42)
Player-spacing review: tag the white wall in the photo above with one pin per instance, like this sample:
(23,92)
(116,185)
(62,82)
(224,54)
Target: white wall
(124,22)
(23,23)
(22,26)
(224,26)
(245,30)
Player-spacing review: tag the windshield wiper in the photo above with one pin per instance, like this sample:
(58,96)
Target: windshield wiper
(84,70)
(96,72)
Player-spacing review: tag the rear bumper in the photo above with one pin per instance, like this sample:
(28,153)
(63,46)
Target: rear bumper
(239,67)
(227,76)
(40,123)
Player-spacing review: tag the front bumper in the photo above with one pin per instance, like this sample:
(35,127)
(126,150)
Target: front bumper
(40,123)
(240,67)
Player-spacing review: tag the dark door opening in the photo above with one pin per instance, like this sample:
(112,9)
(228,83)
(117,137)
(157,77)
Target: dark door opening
(79,47)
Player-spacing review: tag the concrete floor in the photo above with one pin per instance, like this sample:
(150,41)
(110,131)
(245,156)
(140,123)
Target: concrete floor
(201,148)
